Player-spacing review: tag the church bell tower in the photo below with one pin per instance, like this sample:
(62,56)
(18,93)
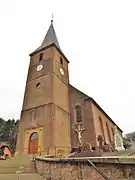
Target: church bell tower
(45,122)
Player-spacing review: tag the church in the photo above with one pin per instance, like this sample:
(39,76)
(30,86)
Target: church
(56,117)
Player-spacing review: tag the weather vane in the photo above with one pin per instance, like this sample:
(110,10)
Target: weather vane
(52,18)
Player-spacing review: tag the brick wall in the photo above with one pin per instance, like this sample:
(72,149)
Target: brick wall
(80,169)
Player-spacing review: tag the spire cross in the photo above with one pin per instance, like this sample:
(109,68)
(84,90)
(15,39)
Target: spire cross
(52,18)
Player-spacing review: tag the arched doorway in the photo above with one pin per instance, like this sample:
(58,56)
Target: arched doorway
(33,143)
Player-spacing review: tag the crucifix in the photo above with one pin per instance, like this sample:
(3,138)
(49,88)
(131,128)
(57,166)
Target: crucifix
(79,132)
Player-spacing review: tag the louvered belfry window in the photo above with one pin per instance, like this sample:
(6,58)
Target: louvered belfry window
(40,56)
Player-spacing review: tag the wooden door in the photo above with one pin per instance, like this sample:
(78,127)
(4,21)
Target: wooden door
(33,143)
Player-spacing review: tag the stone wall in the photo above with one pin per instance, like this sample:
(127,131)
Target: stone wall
(80,169)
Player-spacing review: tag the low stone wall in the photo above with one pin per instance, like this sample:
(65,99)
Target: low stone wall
(80,169)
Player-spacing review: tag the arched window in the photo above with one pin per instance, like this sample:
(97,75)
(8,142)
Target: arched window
(78,113)
(108,132)
(112,131)
(34,136)
(61,60)
(101,127)
(40,56)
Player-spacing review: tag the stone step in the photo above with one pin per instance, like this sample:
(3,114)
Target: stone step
(22,163)
(25,176)
(14,167)
(8,170)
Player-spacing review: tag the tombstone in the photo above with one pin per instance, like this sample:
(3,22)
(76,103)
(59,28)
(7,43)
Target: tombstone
(101,142)
(112,146)
(118,140)
(86,146)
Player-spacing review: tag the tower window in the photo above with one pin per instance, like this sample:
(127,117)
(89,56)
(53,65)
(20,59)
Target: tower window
(61,61)
(41,57)
(38,85)
(78,113)
(33,115)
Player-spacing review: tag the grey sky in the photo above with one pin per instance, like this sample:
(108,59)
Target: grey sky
(96,36)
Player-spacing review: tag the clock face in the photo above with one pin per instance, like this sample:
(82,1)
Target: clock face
(61,71)
(40,67)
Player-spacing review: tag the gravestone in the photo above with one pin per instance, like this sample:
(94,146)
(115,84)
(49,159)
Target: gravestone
(118,140)
(101,142)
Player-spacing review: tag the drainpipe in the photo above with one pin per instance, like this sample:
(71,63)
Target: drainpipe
(100,172)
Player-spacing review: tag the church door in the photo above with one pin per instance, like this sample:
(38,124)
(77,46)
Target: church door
(33,143)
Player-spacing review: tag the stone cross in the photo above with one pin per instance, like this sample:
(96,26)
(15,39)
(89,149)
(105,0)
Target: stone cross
(79,132)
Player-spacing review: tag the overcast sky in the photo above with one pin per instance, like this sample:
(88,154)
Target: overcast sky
(98,38)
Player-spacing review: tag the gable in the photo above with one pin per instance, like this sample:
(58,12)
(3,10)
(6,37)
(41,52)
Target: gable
(77,95)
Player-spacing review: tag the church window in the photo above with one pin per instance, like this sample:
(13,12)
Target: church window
(101,127)
(78,113)
(38,85)
(61,61)
(112,131)
(40,56)
(108,132)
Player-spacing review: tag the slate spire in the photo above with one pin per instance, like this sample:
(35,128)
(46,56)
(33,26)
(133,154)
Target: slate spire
(50,38)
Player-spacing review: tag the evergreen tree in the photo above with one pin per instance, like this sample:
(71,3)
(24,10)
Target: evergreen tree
(8,132)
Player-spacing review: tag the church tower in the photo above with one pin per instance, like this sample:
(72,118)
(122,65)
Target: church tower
(45,119)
